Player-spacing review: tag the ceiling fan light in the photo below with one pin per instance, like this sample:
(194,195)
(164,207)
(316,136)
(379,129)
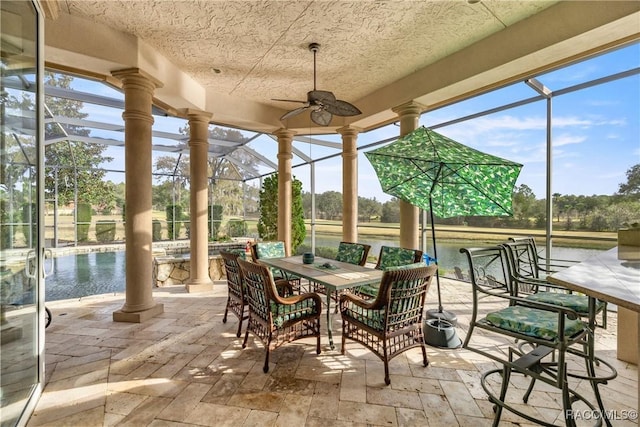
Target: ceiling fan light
(321,117)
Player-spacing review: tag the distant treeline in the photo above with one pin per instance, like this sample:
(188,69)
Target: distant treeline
(595,213)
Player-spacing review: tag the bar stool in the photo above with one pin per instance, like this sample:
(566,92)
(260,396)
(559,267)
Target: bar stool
(545,338)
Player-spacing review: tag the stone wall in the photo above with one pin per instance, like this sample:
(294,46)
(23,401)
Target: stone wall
(175,270)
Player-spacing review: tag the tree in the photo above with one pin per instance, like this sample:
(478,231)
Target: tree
(69,162)
(368,208)
(390,211)
(632,186)
(329,204)
(298,229)
(523,202)
(174,177)
(268,221)
(225,187)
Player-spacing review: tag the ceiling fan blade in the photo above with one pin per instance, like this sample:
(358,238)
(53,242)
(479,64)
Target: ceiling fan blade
(293,113)
(321,117)
(321,96)
(341,108)
(289,100)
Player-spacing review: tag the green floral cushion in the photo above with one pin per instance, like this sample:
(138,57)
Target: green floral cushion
(283,313)
(393,257)
(372,318)
(274,250)
(350,252)
(533,322)
(578,303)
(371,291)
(270,250)
(406,267)
(238,251)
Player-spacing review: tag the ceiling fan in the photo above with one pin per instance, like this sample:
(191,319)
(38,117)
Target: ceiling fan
(323,104)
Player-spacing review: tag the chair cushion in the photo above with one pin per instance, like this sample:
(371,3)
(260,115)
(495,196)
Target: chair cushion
(372,290)
(533,322)
(406,267)
(372,318)
(270,250)
(350,252)
(238,251)
(283,313)
(578,303)
(393,257)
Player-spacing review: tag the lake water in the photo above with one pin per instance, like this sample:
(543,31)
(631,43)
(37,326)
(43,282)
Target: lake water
(449,254)
(81,275)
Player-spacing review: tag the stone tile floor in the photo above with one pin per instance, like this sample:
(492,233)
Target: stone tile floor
(186,367)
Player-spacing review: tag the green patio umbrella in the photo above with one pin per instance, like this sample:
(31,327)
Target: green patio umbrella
(436,173)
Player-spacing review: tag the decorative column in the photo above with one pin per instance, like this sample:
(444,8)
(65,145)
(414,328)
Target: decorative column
(409,115)
(138,97)
(285,139)
(199,281)
(349,183)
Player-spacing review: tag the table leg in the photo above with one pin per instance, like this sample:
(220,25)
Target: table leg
(329,319)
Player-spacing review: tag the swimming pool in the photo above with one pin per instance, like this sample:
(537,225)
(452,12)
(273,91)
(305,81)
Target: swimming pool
(95,273)
(81,275)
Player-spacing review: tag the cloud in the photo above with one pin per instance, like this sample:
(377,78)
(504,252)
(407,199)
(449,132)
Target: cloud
(567,139)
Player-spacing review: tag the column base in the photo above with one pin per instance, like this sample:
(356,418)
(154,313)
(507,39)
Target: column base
(199,286)
(138,316)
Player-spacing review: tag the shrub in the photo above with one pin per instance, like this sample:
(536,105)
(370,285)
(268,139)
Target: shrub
(215,219)
(105,231)
(156,230)
(237,228)
(268,205)
(83,221)
(6,231)
(30,221)
(174,216)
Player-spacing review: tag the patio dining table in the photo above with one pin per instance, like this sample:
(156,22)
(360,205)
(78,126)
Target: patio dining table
(611,276)
(334,275)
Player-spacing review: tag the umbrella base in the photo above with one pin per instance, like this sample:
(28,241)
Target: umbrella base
(440,333)
(443,315)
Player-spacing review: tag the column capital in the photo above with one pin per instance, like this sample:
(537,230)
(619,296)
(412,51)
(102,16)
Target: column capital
(136,75)
(285,133)
(198,127)
(410,108)
(349,131)
(196,115)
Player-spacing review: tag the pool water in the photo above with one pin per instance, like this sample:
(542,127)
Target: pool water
(81,275)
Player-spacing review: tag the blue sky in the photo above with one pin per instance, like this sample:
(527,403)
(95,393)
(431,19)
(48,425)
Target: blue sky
(595,132)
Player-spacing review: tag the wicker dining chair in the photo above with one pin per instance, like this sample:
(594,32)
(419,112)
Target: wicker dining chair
(390,257)
(392,323)
(353,253)
(236,302)
(276,250)
(276,320)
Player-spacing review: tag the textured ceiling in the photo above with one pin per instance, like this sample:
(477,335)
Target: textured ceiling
(260,47)
(232,58)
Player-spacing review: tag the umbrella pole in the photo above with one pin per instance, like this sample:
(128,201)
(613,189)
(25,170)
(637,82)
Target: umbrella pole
(435,253)
(440,313)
